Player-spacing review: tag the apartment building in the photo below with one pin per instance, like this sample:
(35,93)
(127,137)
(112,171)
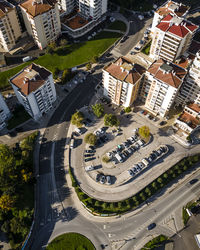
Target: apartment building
(169,7)
(84,17)
(171,38)
(161,85)
(4,112)
(189,120)
(35,90)
(121,81)
(42,20)
(10,29)
(190,90)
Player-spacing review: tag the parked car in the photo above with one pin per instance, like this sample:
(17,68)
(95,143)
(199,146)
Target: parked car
(102,179)
(163,123)
(108,179)
(88,155)
(193,181)
(98,177)
(131,172)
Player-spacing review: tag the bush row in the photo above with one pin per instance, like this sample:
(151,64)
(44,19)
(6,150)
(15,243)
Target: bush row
(132,202)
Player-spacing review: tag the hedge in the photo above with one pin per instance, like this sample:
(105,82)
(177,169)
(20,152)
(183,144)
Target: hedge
(119,207)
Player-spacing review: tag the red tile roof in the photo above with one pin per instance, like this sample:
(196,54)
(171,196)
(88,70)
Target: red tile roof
(182,29)
(30,78)
(180,11)
(123,70)
(173,78)
(190,120)
(5,7)
(194,107)
(38,7)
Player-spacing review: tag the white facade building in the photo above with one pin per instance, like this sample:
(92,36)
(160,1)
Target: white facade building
(4,112)
(164,80)
(169,7)
(35,90)
(189,120)
(171,38)
(42,20)
(10,29)
(190,90)
(121,81)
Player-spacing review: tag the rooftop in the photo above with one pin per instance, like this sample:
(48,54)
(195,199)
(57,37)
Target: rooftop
(38,7)
(5,7)
(168,73)
(74,21)
(173,7)
(190,120)
(30,78)
(122,69)
(194,107)
(176,26)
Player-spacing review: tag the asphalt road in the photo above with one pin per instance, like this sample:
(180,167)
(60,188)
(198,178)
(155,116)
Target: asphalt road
(52,184)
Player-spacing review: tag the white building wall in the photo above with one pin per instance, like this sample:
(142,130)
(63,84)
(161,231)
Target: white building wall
(129,95)
(104,6)
(34,106)
(105,82)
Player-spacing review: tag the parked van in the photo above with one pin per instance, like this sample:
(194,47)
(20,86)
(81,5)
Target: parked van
(119,158)
(89,168)
(145,162)
(27,58)
(78,131)
(72,143)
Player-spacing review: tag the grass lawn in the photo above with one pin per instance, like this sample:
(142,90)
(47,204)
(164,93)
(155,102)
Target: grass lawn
(68,57)
(71,241)
(117,25)
(19,116)
(156,242)
(146,49)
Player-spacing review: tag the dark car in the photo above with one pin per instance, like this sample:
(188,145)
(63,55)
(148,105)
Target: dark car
(90,151)
(122,112)
(193,181)
(151,226)
(88,155)
(98,176)
(20,129)
(92,147)
(12,133)
(163,123)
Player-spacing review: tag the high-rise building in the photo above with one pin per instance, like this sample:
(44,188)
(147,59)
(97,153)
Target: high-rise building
(162,83)
(169,7)
(121,81)
(10,29)
(35,90)
(190,90)
(42,20)
(171,37)
(4,112)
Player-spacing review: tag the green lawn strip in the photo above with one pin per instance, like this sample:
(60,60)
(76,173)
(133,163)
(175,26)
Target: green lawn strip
(68,57)
(146,49)
(156,242)
(185,214)
(117,25)
(101,207)
(71,241)
(19,116)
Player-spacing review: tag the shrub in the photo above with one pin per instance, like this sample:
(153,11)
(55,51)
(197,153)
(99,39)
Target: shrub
(144,132)
(88,66)
(77,119)
(127,110)
(111,120)
(98,109)
(91,139)
(105,159)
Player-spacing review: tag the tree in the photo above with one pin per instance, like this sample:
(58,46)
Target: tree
(6,202)
(105,159)
(110,120)
(98,109)
(66,76)
(127,109)
(91,139)
(5,227)
(7,160)
(144,132)
(63,42)
(88,66)
(77,119)
(56,72)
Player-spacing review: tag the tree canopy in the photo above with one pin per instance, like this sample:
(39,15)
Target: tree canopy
(77,119)
(98,109)
(91,139)
(111,120)
(144,132)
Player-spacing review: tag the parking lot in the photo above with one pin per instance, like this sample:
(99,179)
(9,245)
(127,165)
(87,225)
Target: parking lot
(122,145)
